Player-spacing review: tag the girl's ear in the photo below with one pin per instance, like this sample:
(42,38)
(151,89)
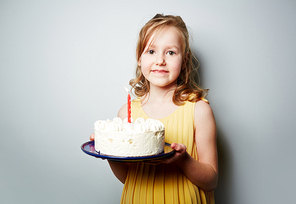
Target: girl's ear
(139,62)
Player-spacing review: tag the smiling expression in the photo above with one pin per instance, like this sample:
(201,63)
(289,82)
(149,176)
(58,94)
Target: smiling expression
(161,59)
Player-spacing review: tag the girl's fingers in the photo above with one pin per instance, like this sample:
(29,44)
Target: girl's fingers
(178,147)
(92,137)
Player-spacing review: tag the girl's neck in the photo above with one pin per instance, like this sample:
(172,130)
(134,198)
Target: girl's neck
(158,102)
(160,95)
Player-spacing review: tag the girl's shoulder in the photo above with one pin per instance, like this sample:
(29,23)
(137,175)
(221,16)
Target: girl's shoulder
(200,108)
(203,110)
(202,103)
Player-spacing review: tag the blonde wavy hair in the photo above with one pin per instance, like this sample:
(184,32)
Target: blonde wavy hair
(187,88)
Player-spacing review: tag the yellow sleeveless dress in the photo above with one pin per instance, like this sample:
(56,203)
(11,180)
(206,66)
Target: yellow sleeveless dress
(166,184)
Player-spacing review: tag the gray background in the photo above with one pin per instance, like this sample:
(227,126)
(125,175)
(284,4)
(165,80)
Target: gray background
(64,65)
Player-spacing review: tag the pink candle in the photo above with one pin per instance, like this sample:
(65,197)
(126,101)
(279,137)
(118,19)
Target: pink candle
(129,110)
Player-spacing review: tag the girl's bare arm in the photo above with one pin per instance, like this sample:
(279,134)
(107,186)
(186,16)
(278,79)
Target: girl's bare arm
(204,172)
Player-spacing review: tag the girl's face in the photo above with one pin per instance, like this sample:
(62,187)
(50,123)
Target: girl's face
(161,60)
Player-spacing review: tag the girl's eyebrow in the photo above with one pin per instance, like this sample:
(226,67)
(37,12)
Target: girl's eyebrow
(173,46)
(166,47)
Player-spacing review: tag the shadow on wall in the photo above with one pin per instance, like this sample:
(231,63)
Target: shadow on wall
(223,193)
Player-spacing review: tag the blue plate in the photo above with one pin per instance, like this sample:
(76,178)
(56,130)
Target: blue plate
(89,148)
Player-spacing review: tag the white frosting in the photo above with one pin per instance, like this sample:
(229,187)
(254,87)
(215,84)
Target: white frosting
(120,138)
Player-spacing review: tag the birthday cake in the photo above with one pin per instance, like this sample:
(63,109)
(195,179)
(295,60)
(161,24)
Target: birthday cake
(122,138)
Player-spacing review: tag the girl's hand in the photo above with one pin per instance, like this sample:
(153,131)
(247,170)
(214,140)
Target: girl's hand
(92,137)
(180,152)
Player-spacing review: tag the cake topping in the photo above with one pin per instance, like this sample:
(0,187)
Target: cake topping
(117,125)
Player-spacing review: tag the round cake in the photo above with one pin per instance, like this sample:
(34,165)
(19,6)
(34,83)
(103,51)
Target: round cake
(120,138)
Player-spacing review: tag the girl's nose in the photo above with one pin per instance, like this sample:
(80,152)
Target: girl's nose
(160,61)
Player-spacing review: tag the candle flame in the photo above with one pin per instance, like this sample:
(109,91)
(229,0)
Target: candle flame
(127,90)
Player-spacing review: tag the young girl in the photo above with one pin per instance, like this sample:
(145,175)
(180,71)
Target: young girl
(167,92)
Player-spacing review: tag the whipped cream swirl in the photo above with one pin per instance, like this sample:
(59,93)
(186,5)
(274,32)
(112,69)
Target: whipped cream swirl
(119,125)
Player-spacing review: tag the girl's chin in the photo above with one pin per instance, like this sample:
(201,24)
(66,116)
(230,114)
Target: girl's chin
(164,85)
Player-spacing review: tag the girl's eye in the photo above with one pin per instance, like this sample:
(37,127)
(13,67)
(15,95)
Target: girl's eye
(171,53)
(151,52)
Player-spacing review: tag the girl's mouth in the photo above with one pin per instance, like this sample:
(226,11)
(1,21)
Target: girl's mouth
(159,71)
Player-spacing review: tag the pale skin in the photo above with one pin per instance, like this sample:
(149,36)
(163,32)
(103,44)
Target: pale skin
(161,65)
